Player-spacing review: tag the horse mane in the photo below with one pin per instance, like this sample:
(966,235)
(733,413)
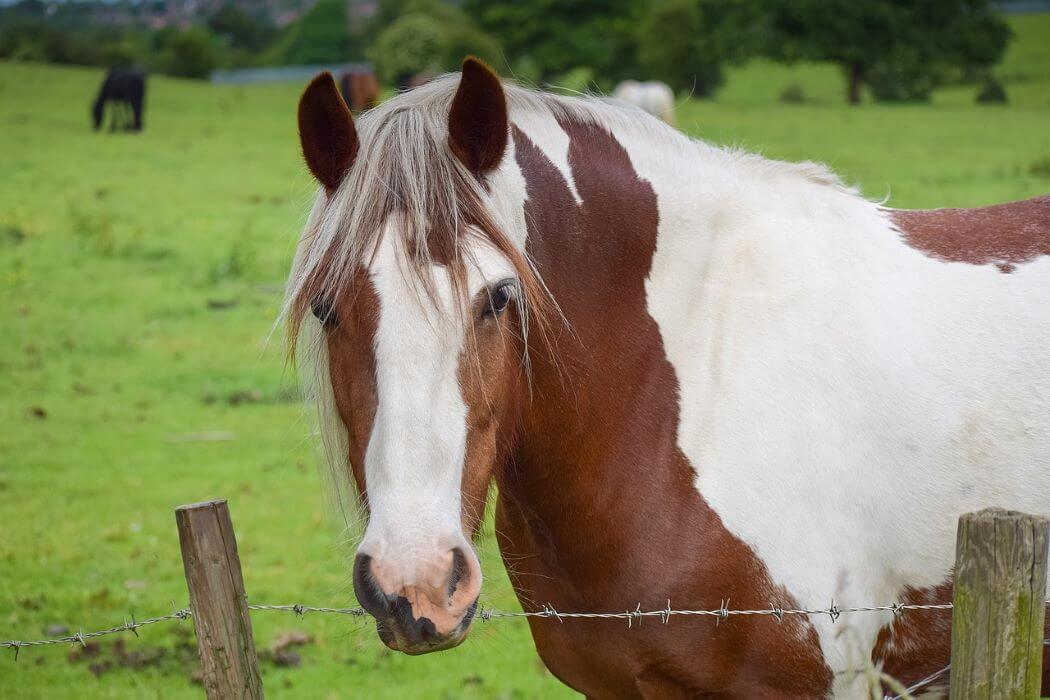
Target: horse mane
(406,174)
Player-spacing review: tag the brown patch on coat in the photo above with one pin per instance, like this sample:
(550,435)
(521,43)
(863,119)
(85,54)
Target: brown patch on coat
(597,509)
(918,642)
(493,385)
(1004,235)
(477,121)
(326,132)
(352,368)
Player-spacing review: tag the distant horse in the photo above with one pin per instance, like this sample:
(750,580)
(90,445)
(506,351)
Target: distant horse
(360,89)
(126,90)
(698,377)
(652,96)
(410,81)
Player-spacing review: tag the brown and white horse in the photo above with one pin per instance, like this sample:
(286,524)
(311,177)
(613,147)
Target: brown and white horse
(694,374)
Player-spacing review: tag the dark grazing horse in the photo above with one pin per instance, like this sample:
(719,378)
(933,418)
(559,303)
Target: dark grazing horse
(126,89)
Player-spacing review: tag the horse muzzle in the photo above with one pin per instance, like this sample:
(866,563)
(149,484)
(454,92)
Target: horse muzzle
(432,612)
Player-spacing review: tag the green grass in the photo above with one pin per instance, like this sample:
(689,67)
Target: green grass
(114,251)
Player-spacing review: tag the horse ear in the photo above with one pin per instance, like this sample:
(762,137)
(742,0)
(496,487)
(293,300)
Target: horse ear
(326,132)
(477,122)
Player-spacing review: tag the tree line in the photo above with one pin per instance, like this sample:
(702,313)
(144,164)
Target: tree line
(898,49)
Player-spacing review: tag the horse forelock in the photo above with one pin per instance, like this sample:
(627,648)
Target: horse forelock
(405,182)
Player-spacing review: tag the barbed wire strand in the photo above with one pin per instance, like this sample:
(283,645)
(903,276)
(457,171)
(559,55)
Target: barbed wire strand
(548,611)
(632,617)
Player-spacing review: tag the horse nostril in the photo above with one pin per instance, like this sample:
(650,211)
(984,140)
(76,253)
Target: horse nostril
(459,570)
(368,593)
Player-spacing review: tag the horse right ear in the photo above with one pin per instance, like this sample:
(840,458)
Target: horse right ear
(326,132)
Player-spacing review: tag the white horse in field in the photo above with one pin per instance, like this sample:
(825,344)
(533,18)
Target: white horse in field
(652,96)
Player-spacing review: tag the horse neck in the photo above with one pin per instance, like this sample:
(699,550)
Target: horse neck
(598,436)
(598,448)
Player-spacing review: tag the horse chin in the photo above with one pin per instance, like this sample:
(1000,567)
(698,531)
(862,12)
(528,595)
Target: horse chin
(393,640)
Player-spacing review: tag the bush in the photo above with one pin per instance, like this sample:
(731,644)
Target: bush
(793,93)
(1040,168)
(28,51)
(415,43)
(188,54)
(432,39)
(901,76)
(125,52)
(576,80)
(991,92)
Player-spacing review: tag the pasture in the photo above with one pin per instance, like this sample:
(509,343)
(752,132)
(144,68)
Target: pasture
(139,279)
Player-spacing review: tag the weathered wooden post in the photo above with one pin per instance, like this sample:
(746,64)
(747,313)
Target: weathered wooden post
(999,605)
(218,602)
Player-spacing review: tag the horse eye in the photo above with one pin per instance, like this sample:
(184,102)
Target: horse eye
(322,310)
(500,295)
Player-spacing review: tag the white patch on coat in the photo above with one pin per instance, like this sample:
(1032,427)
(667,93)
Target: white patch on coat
(415,455)
(844,398)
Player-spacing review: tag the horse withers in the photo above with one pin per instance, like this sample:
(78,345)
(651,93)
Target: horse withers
(695,375)
(125,90)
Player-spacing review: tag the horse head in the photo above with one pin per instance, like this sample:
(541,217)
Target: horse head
(417,299)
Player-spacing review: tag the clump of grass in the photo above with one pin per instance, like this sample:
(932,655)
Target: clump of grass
(12,234)
(239,261)
(95,230)
(1040,167)
(793,93)
(991,92)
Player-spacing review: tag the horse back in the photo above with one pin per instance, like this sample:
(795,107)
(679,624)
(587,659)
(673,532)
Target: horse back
(1005,235)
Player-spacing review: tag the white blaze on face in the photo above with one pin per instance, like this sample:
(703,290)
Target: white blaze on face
(415,456)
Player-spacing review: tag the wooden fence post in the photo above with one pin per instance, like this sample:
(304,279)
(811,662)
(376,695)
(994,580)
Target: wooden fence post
(999,605)
(218,602)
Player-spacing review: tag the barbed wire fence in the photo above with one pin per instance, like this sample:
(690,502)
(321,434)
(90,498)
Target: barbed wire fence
(633,618)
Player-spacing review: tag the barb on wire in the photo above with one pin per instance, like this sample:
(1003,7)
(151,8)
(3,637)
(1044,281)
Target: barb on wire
(721,614)
(301,610)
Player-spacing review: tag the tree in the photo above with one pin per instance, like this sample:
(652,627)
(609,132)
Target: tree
(424,36)
(321,35)
(675,45)
(413,44)
(553,36)
(896,47)
(241,30)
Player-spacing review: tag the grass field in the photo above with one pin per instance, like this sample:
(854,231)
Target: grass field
(139,278)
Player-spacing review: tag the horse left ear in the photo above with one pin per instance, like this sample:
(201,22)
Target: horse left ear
(477,122)
(326,132)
